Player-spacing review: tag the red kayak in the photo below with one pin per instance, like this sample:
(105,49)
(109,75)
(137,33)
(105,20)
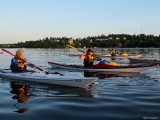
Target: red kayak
(106,67)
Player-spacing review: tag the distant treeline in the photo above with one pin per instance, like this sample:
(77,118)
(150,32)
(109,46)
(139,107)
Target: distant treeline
(103,41)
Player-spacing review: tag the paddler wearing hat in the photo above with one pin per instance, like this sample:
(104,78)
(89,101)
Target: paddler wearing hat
(89,58)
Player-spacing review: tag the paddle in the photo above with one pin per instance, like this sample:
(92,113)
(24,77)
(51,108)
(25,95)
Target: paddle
(105,49)
(125,54)
(30,63)
(111,63)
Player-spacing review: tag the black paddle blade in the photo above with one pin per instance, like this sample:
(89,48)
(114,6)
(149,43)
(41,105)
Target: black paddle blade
(55,73)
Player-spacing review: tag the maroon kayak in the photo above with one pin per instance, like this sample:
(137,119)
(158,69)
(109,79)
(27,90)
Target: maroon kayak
(106,67)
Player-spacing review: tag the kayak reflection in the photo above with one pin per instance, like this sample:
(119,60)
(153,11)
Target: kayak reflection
(103,75)
(63,91)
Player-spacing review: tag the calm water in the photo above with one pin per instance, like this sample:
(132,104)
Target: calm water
(113,97)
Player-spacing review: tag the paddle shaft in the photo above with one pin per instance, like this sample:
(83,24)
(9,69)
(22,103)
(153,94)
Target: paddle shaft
(103,60)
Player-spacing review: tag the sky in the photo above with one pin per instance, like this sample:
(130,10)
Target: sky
(29,20)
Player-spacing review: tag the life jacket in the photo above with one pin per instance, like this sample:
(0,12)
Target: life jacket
(88,61)
(18,69)
(113,53)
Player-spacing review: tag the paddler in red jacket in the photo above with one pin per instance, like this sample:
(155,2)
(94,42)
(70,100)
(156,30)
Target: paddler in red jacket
(89,58)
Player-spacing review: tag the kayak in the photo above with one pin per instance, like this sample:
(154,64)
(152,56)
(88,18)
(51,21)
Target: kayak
(103,55)
(127,56)
(144,61)
(109,55)
(106,67)
(48,78)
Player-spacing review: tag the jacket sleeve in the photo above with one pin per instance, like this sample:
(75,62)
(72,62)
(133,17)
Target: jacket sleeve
(14,62)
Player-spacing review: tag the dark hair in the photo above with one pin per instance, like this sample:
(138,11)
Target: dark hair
(89,50)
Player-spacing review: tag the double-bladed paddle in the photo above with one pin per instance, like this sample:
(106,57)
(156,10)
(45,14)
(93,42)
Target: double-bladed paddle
(111,63)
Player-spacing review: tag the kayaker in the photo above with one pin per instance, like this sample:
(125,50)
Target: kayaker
(113,52)
(19,63)
(89,58)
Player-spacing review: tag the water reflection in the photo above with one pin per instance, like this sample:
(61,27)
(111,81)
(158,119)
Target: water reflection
(24,92)
(20,110)
(103,75)
(64,91)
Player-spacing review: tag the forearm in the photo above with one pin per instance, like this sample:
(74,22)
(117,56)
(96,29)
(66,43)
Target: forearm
(83,56)
(98,59)
(21,64)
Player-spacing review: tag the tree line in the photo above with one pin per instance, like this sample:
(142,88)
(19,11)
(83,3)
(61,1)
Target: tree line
(102,41)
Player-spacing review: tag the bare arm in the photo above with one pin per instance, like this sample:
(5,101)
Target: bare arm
(98,59)
(22,64)
(83,55)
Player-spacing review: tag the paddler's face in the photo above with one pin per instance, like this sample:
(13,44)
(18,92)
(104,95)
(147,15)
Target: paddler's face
(90,53)
(22,55)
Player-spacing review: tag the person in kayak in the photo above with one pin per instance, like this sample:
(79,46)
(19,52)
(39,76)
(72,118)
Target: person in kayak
(89,58)
(19,63)
(113,52)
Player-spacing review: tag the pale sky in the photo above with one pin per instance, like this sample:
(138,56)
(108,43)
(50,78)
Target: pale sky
(25,20)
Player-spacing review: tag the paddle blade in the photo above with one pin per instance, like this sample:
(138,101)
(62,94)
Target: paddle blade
(105,49)
(113,63)
(125,54)
(72,47)
(8,52)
